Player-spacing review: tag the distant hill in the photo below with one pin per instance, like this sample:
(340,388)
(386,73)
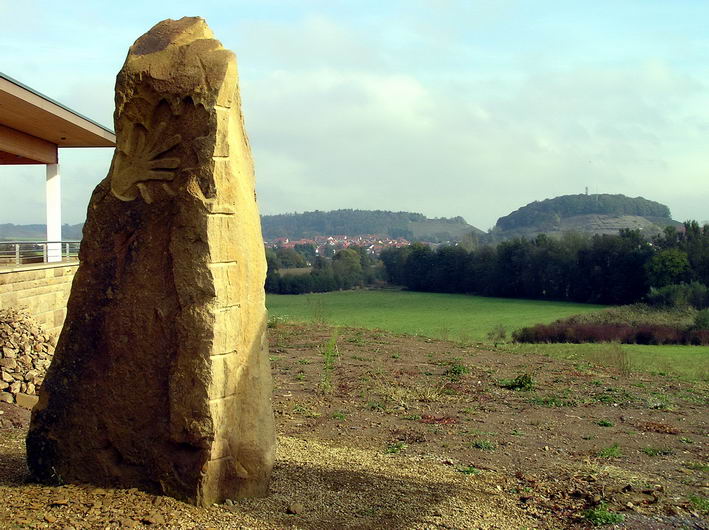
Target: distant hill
(413,226)
(12,232)
(596,214)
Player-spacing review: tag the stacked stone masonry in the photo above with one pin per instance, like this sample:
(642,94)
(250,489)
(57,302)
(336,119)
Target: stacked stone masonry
(25,353)
(42,292)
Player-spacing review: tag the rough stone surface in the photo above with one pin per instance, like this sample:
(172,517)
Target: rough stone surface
(26,350)
(25,400)
(160,378)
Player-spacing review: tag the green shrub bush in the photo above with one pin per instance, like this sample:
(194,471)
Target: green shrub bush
(680,295)
(701,321)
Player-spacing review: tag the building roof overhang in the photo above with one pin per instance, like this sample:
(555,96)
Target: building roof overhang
(32,126)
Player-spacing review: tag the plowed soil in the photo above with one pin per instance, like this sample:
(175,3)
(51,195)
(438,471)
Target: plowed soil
(385,431)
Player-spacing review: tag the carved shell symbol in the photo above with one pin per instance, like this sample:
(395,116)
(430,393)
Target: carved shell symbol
(138,161)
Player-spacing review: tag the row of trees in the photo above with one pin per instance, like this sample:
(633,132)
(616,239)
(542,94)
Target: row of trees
(291,258)
(606,269)
(348,268)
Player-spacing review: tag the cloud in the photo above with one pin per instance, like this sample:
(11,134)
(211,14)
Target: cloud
(481,148)
(444,107)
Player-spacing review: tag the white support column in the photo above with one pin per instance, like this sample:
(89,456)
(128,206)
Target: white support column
(54,213)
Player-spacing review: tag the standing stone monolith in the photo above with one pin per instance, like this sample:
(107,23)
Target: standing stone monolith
(160,378)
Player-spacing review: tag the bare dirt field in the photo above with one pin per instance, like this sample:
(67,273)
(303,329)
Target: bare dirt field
(378,430)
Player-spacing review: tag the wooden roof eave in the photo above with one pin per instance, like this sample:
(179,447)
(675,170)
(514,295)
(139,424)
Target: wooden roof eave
(29,113)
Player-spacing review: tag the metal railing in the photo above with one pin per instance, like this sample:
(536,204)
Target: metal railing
(13,253)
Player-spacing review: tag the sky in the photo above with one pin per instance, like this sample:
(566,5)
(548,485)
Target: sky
(472,108)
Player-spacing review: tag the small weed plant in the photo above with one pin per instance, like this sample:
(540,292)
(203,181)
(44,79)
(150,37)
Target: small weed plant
(330,354)
(610,452)
(306,411)
(656,451)
(483,445)
(275,321)
(699,503)
(600,516)
(318,313)
(396,447)
(612,356)
(659,401)
(697,466)
(604,423)
(497,334)
(356,339)
(469,470)
(523,382)
(456,370)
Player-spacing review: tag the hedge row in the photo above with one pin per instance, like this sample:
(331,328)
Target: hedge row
(580,333)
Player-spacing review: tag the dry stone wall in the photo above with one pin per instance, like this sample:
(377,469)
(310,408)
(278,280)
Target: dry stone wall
(25,353)
(42,292)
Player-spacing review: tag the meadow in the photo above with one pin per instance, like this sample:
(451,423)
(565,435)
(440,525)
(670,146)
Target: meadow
(443,316)
(469,319)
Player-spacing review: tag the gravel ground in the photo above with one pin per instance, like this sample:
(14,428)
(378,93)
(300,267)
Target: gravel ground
(331,487)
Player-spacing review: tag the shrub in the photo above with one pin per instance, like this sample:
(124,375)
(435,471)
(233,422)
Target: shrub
(636,315)
(679,295)
(625,334)
(497,334)
(698,295)
(701,321)
(698,337)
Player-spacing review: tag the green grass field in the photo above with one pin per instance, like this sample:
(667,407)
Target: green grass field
(470,318)
(686,362)
(445,316)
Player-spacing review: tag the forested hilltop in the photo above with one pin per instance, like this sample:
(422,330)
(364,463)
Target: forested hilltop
(355,222)
(413,226)
(594,214)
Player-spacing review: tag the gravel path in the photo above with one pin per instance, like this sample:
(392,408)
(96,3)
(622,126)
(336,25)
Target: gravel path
(331,487)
